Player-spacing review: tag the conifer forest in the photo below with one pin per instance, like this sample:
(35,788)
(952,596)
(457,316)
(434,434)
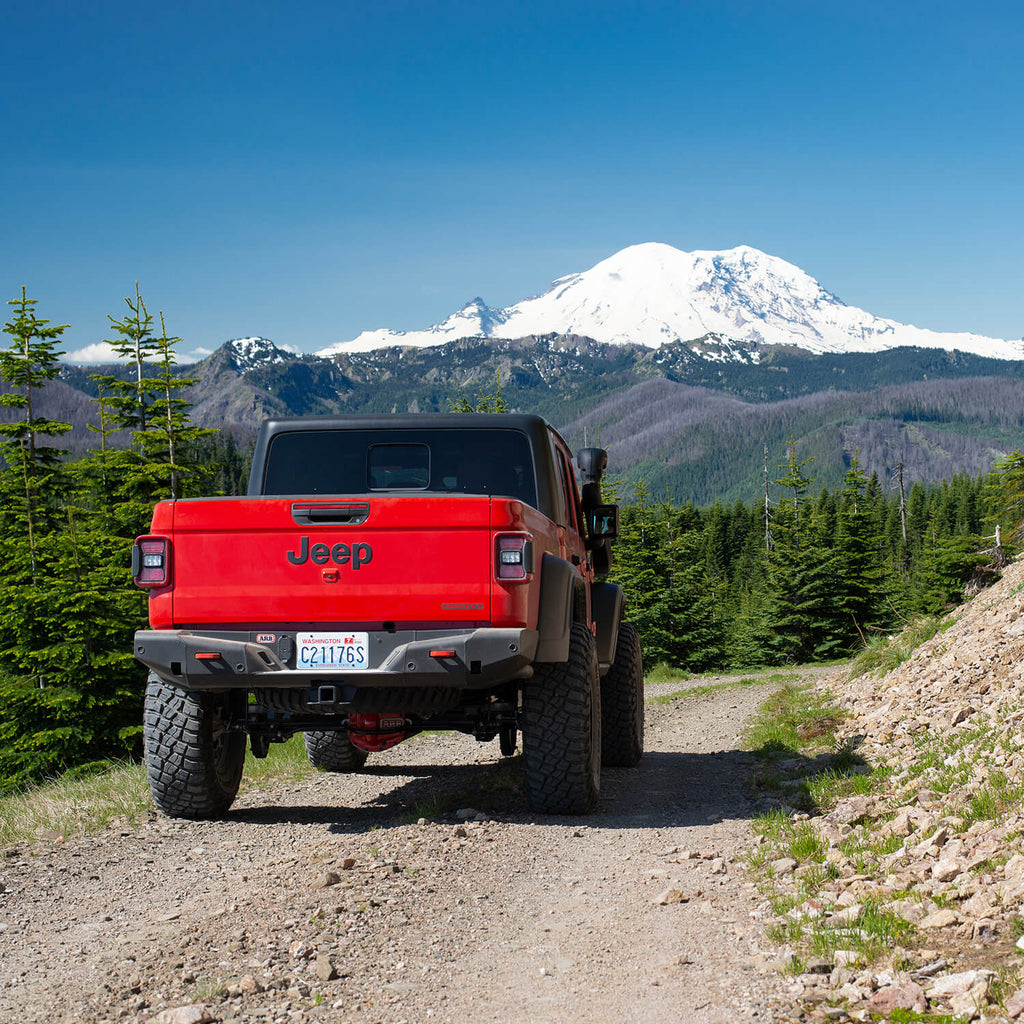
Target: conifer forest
(803,574)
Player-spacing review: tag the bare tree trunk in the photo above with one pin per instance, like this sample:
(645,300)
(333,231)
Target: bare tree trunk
(903,502)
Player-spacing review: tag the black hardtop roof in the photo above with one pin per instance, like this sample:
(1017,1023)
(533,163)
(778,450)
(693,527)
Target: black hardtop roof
(536,428)
(406,420)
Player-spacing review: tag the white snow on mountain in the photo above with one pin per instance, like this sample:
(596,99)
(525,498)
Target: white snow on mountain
(248,353)
(652,293)
(475,320)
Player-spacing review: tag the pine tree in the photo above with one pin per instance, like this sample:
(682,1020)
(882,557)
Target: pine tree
(799,594)
(170,436)
(129,401)
(488,402)
(27,365)
(1007,494)
(659,562)
(71,624)
(860,592)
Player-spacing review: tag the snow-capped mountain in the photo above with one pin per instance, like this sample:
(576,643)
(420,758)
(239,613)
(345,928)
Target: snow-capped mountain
(652,293)
(248,353)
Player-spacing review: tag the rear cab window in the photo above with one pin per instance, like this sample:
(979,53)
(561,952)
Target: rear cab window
(495,462)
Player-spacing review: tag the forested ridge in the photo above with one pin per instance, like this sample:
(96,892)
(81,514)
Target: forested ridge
(666,414)
(812,570)
(674,437)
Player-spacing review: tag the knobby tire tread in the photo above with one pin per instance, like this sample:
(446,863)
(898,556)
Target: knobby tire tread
(622,702)
(333,751)
(194,770)
(562,731)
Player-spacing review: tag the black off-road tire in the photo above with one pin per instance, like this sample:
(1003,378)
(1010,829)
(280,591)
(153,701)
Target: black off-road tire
(622,702)
(562,731)
(333,751)
(193,761)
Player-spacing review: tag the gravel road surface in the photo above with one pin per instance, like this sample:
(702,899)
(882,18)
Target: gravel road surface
(353,898)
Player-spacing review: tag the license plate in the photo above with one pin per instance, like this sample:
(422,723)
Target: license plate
(332,651)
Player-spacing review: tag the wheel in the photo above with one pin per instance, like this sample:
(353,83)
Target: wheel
(333,752)
(562,731)
(193,761)
(622,702)
(507,740)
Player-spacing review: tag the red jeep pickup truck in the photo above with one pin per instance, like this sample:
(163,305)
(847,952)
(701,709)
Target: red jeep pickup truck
(386,575)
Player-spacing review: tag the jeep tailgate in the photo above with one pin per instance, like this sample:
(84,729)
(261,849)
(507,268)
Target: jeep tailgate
(423,560)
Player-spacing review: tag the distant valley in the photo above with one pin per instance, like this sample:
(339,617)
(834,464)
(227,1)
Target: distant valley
(692,423)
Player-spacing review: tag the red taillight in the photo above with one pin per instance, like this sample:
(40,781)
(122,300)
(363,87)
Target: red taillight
(151,561)
(513,556)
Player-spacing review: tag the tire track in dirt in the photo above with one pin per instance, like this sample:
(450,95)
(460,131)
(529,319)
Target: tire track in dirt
(325,900)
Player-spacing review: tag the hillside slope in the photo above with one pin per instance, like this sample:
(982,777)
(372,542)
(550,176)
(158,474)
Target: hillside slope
(700,445)
(936,842)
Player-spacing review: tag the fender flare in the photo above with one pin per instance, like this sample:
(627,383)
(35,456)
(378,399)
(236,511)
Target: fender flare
(608,602)
(555,614)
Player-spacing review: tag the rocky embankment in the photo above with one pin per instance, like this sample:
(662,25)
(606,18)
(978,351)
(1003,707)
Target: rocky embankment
(931,850)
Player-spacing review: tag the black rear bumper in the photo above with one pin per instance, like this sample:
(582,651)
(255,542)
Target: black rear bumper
(480,659)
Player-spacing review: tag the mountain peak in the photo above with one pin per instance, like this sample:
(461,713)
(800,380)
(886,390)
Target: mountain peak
(248,353)
(651,293)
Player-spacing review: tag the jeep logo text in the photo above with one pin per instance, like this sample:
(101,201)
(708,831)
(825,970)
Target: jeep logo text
(355,555)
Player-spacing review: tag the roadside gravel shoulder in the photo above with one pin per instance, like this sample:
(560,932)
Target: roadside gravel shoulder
(345,898)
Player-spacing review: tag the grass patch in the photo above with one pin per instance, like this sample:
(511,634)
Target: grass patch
(882,654)
(794,718)
(437,806)
(874,934)
(795,736)
(731,682)
(996,797)
(69,806)
(79,803)
(705,690)
(665,673)
(285,762)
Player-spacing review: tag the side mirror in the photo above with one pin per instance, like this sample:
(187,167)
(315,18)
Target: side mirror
(603,522)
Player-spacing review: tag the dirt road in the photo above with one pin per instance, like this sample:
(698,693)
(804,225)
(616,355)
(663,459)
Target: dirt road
(350,898)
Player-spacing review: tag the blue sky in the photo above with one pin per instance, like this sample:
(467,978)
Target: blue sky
(306,171)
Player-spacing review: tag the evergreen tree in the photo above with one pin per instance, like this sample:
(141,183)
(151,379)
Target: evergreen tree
(799,593)
(492,401)
(659,563)
(27,365)
(1007,494)
(130,401)
(170,437)
(860,593)
(46,615)
(69,624)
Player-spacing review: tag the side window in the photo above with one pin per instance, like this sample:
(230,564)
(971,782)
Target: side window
(581,526)
(561,498)
(571,495)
